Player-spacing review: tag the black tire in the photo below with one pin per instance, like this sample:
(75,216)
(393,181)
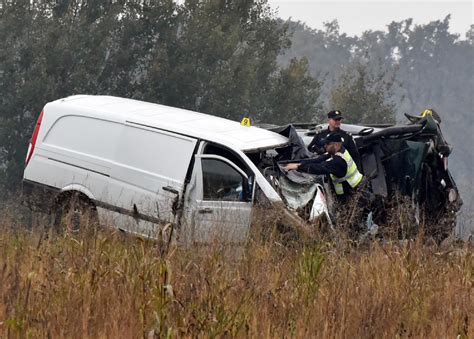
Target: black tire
(72,213)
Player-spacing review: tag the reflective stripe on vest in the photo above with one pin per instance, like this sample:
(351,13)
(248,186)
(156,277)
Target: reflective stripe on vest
(353,176)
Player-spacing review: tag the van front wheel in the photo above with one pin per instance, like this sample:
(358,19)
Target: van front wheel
(73,212)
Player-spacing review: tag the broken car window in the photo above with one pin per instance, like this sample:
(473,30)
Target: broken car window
(221,182)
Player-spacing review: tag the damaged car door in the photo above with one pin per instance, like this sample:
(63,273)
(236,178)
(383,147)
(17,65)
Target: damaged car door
(219,201)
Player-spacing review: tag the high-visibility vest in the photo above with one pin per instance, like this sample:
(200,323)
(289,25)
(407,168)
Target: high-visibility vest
(353,176)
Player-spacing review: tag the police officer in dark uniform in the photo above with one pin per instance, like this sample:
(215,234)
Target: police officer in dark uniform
(337,163)
(334,125)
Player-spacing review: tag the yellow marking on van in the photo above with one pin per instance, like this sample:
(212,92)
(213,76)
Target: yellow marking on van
(245,122)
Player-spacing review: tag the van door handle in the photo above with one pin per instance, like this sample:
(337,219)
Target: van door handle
(170,189)
(205,211)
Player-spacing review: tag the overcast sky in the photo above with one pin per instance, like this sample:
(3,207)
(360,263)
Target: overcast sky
(356,16)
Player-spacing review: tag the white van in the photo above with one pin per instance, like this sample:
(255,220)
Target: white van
(141,165)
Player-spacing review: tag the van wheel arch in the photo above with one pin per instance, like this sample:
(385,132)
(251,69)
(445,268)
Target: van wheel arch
(65,200)
(69,194)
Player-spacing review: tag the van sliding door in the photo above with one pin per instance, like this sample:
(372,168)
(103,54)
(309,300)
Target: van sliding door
(152,166)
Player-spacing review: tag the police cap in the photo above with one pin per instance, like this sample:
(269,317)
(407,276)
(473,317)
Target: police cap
(333,137)
(336,115)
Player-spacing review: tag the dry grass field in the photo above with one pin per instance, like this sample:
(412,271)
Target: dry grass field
(102,284)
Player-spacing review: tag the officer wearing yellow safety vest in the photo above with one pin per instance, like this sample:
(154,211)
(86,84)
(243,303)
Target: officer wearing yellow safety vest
(337,163)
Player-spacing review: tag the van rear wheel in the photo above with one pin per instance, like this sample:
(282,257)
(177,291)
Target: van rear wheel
(74,212)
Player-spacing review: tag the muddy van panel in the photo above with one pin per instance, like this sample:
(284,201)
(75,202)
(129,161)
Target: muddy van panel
(131,160)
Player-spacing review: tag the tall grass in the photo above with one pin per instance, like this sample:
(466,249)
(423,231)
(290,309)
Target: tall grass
(100,283)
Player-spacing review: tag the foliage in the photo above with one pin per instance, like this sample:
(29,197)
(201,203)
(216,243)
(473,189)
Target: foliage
(363,97)
(101,283)
(295,95)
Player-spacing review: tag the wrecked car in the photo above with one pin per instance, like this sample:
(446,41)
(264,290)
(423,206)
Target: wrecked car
(403,163)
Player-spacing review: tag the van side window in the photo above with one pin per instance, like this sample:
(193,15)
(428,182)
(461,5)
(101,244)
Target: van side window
(223,152)
(221,182)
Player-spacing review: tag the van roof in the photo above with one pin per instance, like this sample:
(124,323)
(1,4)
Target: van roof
(194,124)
